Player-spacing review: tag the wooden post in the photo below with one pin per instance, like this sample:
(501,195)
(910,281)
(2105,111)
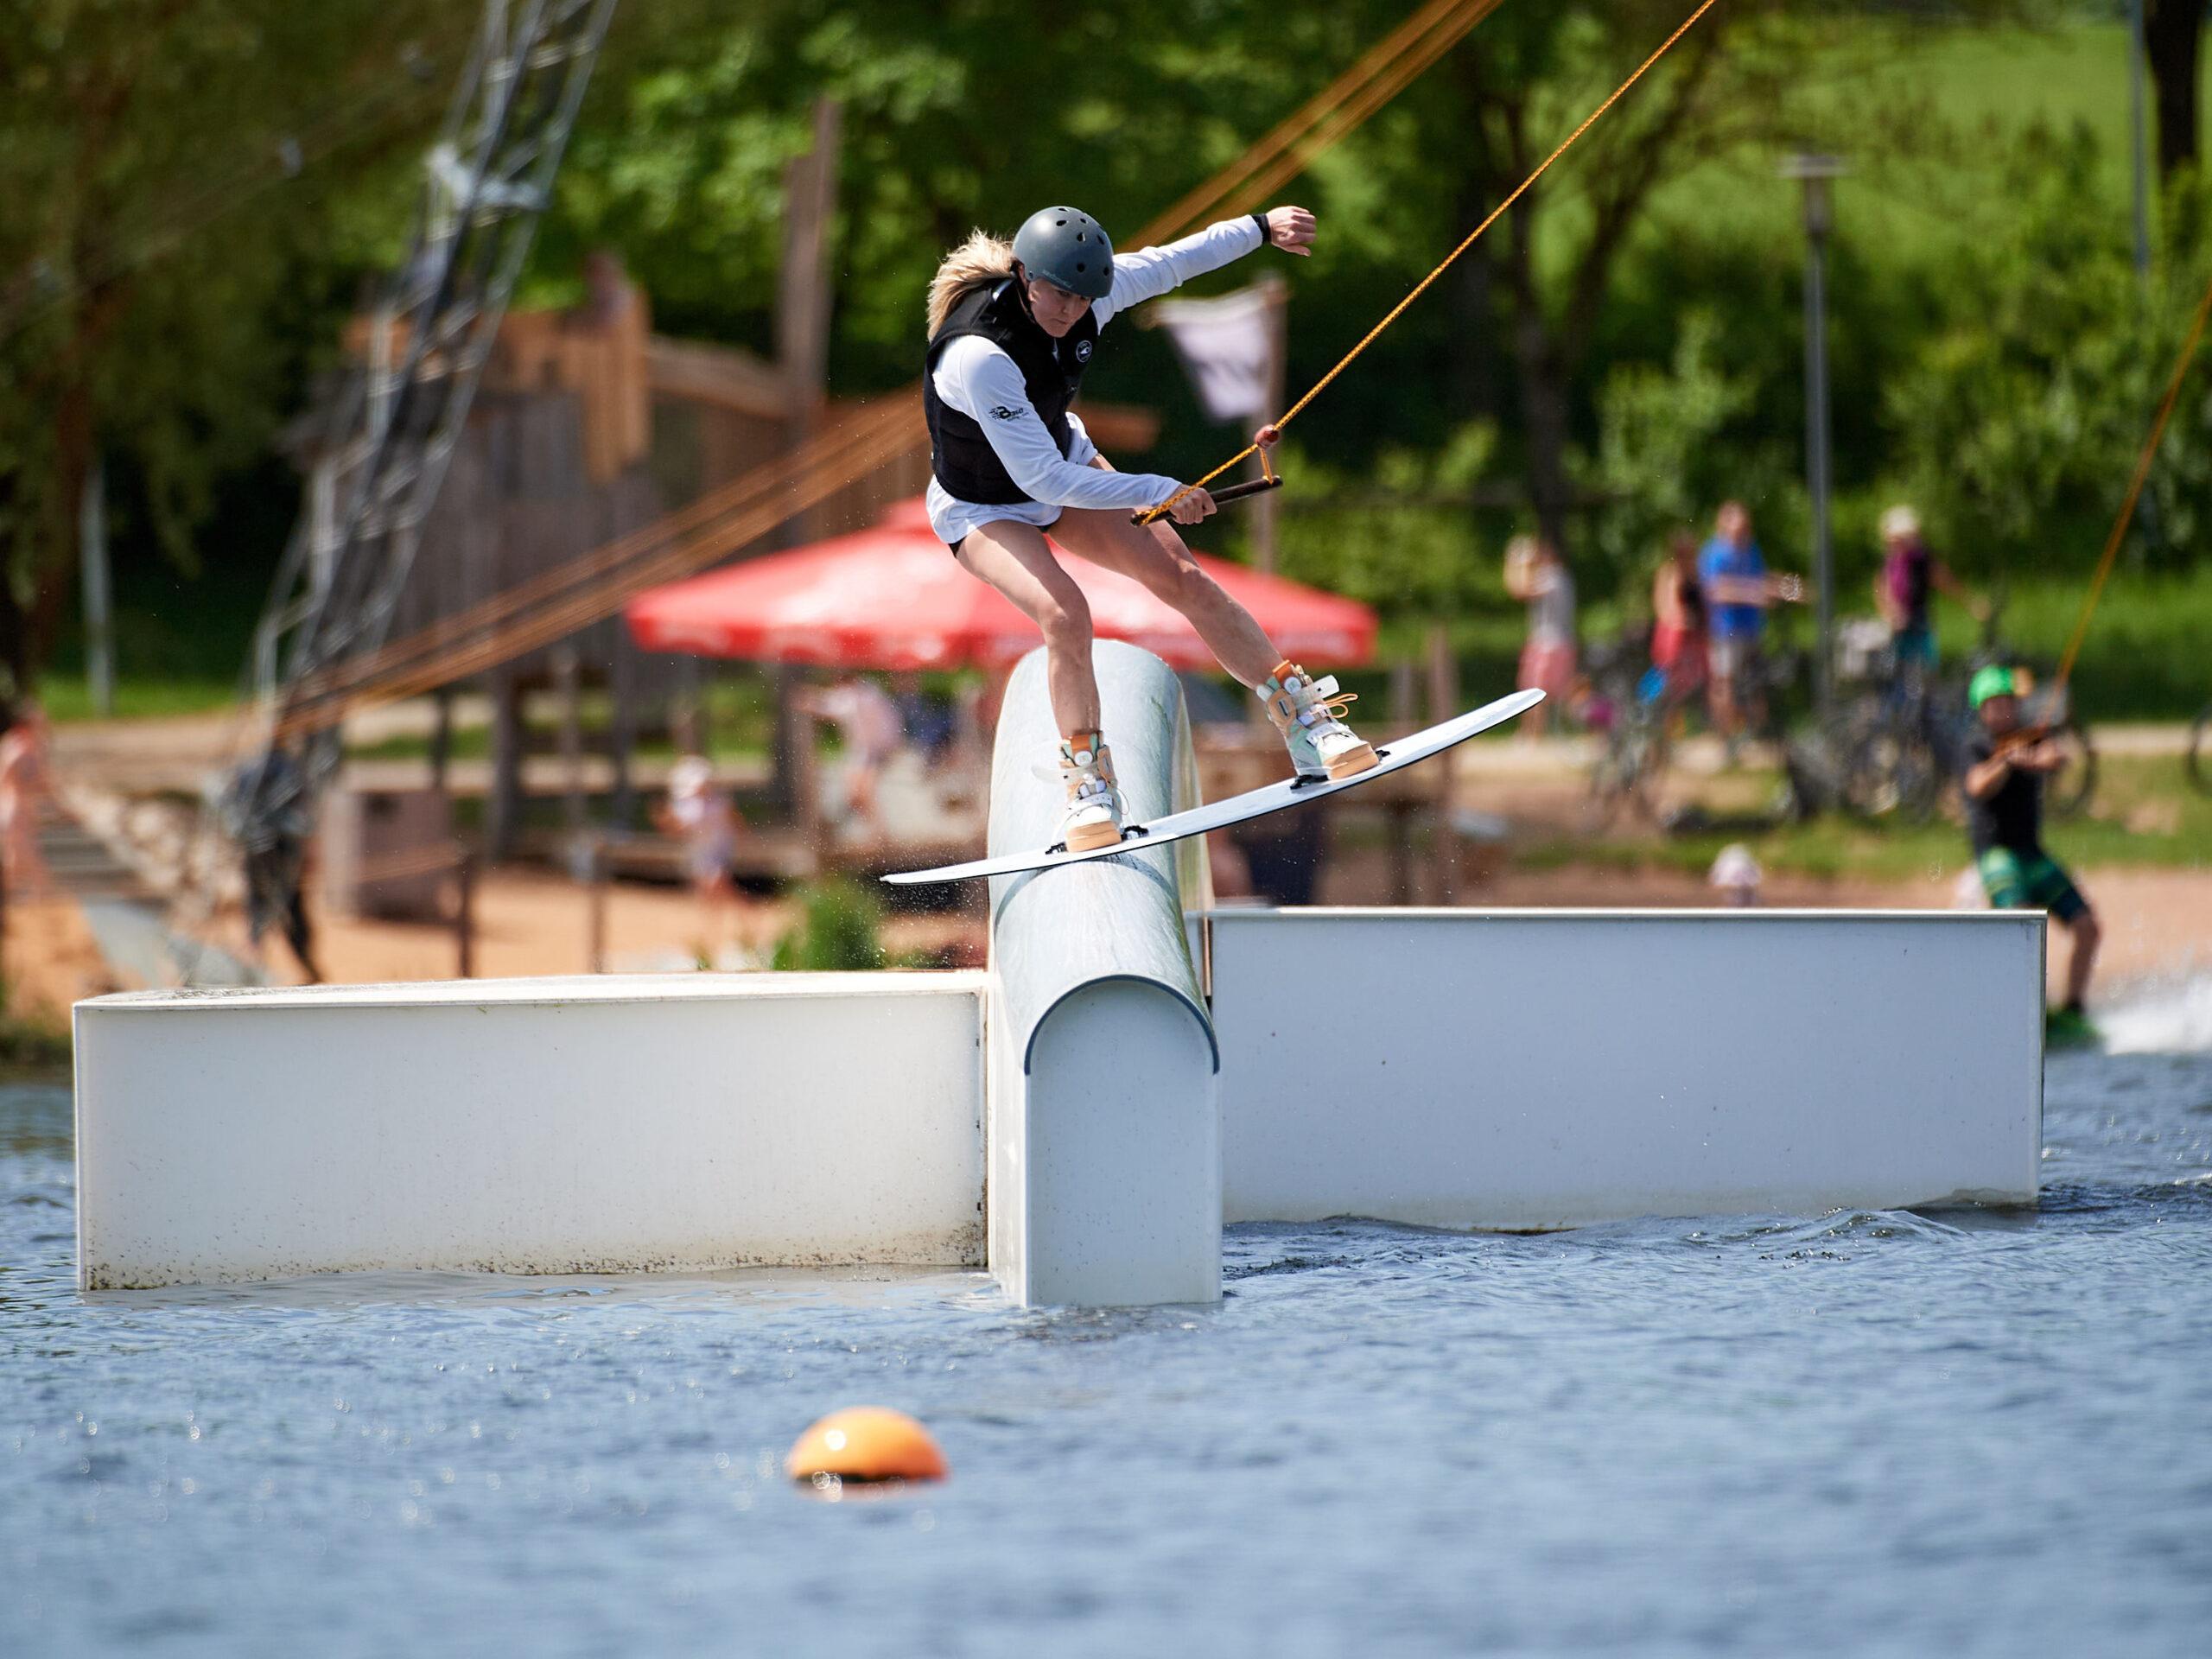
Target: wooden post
(464,915)
(803,354)
(441,737)
(503,807)
(622,740)
(595,891)
(100,616)
(688,709)
(1276,293)
(803,285)
(1403,708)
(1443,704)
(568,675)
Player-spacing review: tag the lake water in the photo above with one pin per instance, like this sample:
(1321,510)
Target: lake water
(1876,1433)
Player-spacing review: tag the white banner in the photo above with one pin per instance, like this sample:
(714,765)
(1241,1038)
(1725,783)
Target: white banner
(1225,344)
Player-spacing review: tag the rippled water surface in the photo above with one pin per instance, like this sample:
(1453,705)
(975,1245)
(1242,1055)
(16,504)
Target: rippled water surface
(1865,1433)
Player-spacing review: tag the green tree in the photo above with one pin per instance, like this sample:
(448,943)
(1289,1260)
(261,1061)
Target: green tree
(169,166)
(1671,442)
(2021,421)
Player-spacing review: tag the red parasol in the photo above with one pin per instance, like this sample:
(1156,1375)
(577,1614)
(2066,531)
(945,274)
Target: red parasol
(893,597)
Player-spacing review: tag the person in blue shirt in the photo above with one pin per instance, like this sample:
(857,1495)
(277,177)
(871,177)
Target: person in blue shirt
(1737,589)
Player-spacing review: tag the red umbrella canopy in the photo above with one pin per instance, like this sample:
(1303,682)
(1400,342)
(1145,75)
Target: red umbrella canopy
(892,596)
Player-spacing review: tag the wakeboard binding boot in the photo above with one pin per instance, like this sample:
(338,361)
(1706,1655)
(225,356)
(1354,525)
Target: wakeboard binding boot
(1309,713)
(1093,818)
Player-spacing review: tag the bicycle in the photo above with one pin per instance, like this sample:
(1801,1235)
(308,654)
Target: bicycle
(1890,737)
(1903,747)
(1632,713)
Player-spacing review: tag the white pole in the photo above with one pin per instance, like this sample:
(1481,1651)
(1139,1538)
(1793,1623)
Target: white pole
(100,617)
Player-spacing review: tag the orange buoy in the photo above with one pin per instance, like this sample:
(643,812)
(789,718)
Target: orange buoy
(865,1443)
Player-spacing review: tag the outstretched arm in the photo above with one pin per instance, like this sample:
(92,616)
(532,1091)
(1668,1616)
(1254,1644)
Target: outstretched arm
(1150,272)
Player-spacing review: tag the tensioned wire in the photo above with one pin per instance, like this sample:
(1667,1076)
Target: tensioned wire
(1422,287)
(2135,488)
(1345,103)
(734,514)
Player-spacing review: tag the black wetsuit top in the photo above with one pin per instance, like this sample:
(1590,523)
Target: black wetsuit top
(961,456)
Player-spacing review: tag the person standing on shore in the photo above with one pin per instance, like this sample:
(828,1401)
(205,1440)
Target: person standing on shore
(1678,620)
(2005,769)
(22,782)
(871,731)
(1737,591)
(1904,593)
(700,815)
(1535,574)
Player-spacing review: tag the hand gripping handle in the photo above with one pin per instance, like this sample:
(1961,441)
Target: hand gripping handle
(1270,479)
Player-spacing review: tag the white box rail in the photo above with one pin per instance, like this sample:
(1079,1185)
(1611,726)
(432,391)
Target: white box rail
(617,1124)
(1527,1068)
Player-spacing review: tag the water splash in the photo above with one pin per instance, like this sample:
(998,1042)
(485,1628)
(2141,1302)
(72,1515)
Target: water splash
(2162,1017)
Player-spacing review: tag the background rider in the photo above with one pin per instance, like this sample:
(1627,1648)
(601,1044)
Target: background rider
(2005,769)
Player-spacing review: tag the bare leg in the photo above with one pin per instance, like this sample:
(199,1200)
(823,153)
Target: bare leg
(1013,559)
(1721,698)
(1154,555)
(2088,935)
(862,796)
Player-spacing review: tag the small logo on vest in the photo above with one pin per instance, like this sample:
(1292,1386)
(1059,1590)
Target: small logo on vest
(1000,413)
(1083,350)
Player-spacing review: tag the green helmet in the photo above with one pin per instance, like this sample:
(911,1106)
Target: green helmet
(1069,250)
(1993,681)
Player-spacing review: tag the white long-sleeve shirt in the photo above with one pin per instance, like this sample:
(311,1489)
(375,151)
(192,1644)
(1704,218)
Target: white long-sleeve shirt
(980,380)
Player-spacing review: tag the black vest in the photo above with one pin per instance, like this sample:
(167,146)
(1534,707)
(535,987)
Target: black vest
(961,456)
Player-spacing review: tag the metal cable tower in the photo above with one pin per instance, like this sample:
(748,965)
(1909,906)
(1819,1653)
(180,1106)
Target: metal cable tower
(487,179)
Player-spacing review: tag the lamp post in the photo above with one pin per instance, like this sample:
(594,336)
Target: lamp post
(1814,172)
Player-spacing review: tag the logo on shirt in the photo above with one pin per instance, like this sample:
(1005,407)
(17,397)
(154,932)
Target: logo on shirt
(1083,350)
(1000,413)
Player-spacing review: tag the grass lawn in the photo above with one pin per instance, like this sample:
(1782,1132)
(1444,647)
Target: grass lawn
(68,698)
(2145,813)
(1918,109)
(2146,656)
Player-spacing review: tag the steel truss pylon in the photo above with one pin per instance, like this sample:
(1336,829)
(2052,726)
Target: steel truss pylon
(487,179)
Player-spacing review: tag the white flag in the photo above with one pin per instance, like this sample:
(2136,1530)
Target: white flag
(1225,345)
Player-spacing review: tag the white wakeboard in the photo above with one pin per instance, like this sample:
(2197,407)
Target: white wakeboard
(1253,804)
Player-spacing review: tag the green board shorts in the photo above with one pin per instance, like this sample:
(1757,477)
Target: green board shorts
(2029,882)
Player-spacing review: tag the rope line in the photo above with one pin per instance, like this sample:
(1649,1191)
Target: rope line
(1426,282)
(2135,488)
(1381,73)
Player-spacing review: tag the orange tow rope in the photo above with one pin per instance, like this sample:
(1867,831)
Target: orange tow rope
(1273,430)
(2135,488)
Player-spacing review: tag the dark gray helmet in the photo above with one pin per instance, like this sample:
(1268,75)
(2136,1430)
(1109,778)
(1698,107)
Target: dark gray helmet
(1069,250)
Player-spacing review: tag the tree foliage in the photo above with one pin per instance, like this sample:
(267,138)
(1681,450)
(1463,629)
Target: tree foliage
(2020,422)
(168,164)
(209,180)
